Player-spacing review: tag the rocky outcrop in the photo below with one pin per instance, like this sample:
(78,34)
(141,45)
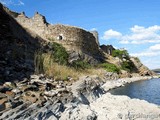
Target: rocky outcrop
(107,49)
(17,48)
(43,98)
(143,70)
(40,97)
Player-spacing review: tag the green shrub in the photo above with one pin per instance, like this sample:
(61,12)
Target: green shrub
(60,54)
(127,65)
(57,53)
(110,67)
(120,53)
(79,64)
(137,59)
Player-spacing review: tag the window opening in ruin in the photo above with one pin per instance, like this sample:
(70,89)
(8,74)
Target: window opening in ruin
(60,37)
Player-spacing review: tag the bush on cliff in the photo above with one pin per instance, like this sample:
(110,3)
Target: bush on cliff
(59,54)
(46,65)
(79,64)
(53,61)
(54,52)
(110,67)
(127,65)
(120,54)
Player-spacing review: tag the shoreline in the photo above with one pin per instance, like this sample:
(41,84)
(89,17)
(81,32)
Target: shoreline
(122,106)
(114,107)
(112,84)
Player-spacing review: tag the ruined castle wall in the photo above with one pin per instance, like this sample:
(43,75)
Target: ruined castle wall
(36,24)
(75,38)
(72,38)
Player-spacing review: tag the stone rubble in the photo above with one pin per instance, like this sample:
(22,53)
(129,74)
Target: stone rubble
(43,98)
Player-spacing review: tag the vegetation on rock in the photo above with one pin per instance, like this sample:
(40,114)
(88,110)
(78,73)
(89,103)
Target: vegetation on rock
(59,54)
(120,54)
(79,64)
(110,67)
(53,61)
(127,65)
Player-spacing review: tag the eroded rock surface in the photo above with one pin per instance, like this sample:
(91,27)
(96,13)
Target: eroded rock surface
(85,99)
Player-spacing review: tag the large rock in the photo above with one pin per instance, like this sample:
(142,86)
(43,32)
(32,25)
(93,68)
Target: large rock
(122,107)
(80,112)
(143,70)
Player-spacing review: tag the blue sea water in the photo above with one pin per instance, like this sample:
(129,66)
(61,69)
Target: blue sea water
(148,90)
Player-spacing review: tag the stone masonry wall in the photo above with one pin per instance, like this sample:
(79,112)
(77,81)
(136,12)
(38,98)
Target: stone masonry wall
(72,38)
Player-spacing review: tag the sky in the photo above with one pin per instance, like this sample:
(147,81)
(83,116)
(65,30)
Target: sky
(130,24)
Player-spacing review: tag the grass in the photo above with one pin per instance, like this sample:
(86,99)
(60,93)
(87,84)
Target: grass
(54,63)
(44,63)
(80,65)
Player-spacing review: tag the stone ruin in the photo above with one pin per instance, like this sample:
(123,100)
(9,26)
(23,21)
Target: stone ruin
(74,39)
(107,49)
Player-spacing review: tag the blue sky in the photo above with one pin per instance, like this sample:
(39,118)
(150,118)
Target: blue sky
(130,24)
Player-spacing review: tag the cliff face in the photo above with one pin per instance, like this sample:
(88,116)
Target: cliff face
(17,48)
(142,69)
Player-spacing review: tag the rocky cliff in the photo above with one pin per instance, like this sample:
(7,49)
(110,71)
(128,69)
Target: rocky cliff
(141,69)
(17,48)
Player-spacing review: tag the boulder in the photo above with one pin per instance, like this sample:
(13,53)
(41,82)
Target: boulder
(73,56)
(80,112)
(50,93)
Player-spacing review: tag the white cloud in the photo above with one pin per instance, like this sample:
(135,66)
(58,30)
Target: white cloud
(141,29)
(138,35)
(111,34)
(152,51)
(12,2)
(142,36)
(150,58)
(146,54)
(155,47)
(152,63)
